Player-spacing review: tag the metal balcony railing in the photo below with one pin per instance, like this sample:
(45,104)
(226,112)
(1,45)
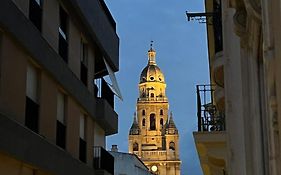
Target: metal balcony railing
(160,99)
(103,160)
(209,118)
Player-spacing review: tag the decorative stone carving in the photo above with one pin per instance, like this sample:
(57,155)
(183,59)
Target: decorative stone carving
(253,8)
(273,106)
(240,19)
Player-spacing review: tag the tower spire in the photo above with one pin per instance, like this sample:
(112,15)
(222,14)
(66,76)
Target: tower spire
(135,129)
(135,118)
(151,55)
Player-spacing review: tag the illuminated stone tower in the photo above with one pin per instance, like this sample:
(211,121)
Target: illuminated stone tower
(153,135)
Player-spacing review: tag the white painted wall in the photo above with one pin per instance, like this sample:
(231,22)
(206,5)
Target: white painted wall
(128,164)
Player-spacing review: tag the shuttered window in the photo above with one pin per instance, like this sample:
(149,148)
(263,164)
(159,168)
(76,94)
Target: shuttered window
(61,126)
(31,83)
(63,35)
(82,140)
(31,102)
(82,127)
(84,63)
(60,108)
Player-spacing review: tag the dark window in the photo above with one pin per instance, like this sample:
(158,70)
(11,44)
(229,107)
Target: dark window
(172,146)
(107,93)
(161,122)
(152,95)
(31,114)
(135,147)
(82,150)
(63,37)
(84,64)
(35,13)
(161,111)
(143,122)
(152,122)
(61,133)
(31,105)
(143,112)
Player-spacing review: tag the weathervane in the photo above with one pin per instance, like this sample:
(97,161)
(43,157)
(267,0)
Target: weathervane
(151,44)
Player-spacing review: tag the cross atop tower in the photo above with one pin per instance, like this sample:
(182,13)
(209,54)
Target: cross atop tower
(151,55)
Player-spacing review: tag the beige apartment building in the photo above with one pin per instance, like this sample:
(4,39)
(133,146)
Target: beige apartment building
(55,107)
(240,122)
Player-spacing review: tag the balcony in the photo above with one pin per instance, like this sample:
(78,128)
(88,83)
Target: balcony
(219,98)
(103,161)
(211,148)
(210,139)
(209,117)
(156,155)
(105,113)
(153,99)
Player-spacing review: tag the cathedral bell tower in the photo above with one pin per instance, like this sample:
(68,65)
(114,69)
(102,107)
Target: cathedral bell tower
(153,135)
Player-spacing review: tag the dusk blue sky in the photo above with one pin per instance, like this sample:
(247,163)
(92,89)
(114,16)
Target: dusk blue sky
(181,54)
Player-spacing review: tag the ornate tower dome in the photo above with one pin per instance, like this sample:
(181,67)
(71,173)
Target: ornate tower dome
(151,73)
(152,84)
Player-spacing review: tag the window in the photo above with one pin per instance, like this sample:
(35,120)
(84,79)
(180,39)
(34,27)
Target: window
(61,127)
(152,95)
(135,146)
(152,122)
(82,127)
(172,146)
(63,37)
(160,95)
(143,93)
(161,111)
(161,122)
(143,122)
(31,105)
(84,63)
(82,140)
(35,13)
(143,112)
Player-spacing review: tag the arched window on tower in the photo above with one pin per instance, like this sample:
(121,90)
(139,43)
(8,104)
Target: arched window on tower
(152,122)
(143,93)
(172,146)
(152,95)
(135,146)
(161,122)
(161,111)
(143,122)
(143,112)
(160,95)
